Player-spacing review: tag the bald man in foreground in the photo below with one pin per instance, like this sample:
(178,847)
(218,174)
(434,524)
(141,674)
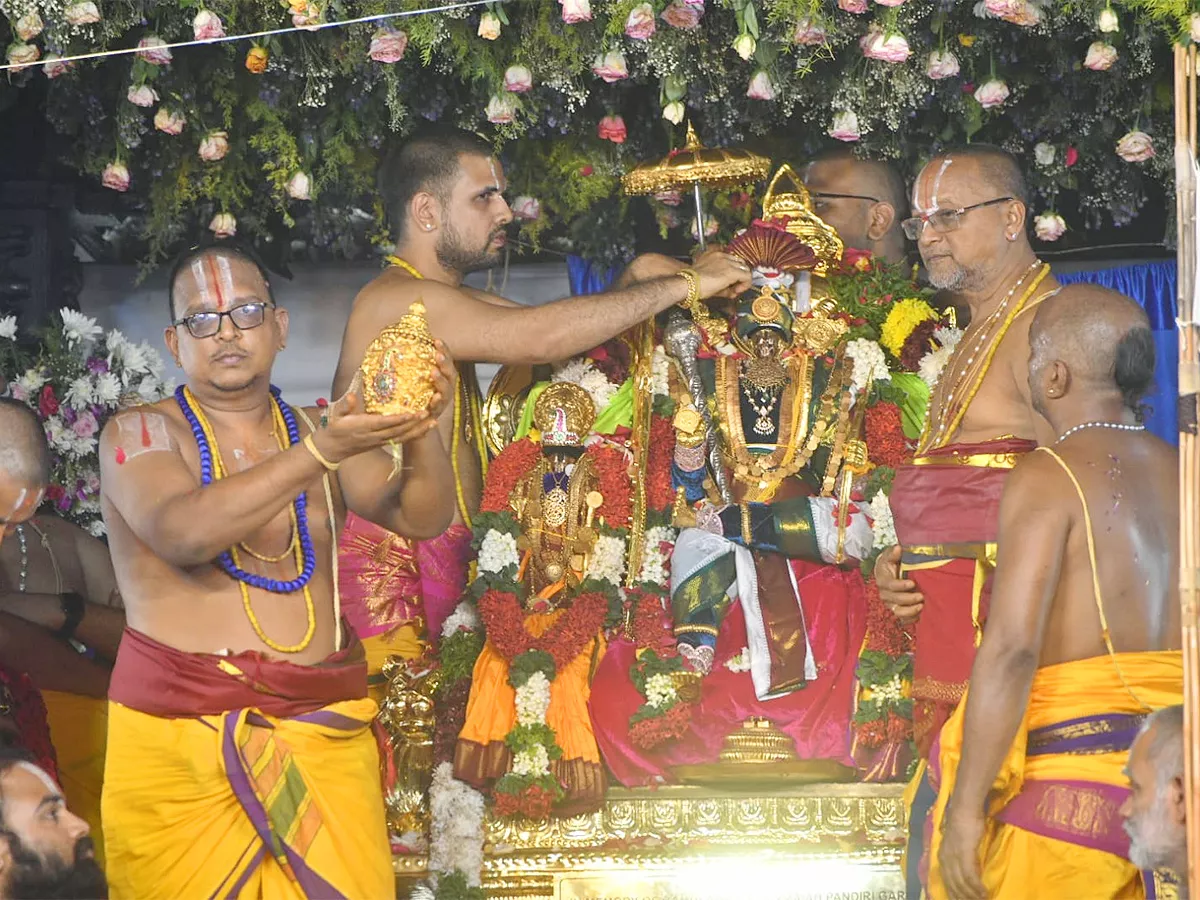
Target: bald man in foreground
(1083,638)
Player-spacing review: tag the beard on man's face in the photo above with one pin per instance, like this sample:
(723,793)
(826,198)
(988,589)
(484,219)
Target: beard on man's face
(35,877)
(454,254)
(1150,839)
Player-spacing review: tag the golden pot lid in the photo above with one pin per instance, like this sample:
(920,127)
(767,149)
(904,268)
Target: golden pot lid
(397,369)
(709,167)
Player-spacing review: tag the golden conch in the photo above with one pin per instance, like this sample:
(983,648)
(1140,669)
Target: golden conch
(398,366)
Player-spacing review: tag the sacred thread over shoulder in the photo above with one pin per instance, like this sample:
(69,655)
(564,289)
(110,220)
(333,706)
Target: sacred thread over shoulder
(398,366)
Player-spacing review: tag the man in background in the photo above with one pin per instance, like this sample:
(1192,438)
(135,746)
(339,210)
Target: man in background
(1155,812)
(862,199)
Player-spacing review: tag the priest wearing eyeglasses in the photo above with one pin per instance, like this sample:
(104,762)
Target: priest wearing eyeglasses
(969,222)
(862,199)
(240,758)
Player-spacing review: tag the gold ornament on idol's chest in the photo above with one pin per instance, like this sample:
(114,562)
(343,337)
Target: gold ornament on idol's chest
(398,366)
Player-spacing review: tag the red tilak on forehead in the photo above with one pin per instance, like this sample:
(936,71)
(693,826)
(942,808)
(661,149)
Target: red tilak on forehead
(211,262)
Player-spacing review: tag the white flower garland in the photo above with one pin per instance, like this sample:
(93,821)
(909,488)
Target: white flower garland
(585,374)
(464,617)
(607,562)
(660,690)
(498,551)
(660,372)
(870,364)
(739,662)
(883,527)
(654,560)
(456,832)
(532,701)
(933,362)
(534,762)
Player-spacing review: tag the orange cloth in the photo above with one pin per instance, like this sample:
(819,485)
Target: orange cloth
(1015,859)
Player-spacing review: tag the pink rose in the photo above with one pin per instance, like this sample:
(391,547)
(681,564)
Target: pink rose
(527,209)
(640,24)
(142,95)
(154,51)
(214,146)
(681,14)
(669,198)
(1100,56)
(710,228)
(29,26)
(890,2)
(489,26)
(612,128)
(85,424)
(574,11)
(1049,226)
(17,392)
(892,48)
(501,109)
(116,176)
(611,66)
(223,225)
(299,186)
(992,93)
(86,13)
(518,79)
(845,126)
(761,87)
(1071,157)
(53,67)
(808,33)
(858,7)
(207,26)
(1019,12)
(1136,146)
(388,45)
(169,121)
(21,55)
(941,64)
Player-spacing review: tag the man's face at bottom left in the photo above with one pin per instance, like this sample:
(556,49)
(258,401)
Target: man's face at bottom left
(46,850)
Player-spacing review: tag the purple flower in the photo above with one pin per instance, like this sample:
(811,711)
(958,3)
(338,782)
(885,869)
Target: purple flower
(97,366)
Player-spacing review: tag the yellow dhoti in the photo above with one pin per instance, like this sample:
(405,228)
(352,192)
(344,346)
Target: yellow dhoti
(246,802)
(1054,823)
(79,731)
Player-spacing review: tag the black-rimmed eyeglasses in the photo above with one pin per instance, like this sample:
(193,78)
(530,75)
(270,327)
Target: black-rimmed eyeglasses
(244,317)
(944,220)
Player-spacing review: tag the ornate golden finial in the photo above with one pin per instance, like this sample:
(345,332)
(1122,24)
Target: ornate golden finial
(398,366)
(795,206)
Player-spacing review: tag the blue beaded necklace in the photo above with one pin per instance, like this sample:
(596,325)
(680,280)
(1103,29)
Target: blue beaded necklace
(274,585)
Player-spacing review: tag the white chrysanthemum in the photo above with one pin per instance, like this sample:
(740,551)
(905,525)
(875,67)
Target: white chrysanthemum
(892,690)
(115,340)
(78,327)
(869,363)
(107,389)
(82,446)
(654,558)
(740,662)
(498,551)
(96,528)
(456,825)
(155,361)
(572,371)
(932,364)
(608,559)
(31,382)
(133,358)
(882,525)
(61,437)
(81,393)
(533,699)
(464,617)
(660,372)
(948,336)
(8,327)
(534,762)
(660,690)
(599,388)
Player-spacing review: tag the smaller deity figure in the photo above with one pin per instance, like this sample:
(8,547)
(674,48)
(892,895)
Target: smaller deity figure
(407,715)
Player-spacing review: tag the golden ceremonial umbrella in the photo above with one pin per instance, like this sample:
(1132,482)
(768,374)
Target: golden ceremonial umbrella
(697,166)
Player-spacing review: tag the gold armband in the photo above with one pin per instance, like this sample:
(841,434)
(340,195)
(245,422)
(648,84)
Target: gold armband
(747,529)
(312,448)
(693,283)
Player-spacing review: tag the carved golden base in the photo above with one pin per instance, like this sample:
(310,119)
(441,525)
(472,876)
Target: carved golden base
(800,842)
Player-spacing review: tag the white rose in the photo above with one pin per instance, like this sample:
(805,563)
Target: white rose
(992,93)
(1044,154)
(1100,56)
(1136,146)
(8,328)
(299,186)
(845,126)
(489,26)
(223,225)
(941,64)
(674,112)
(86,13)
(29,26)
(1107,21)
(1049,226)
(501,109)
(744,46)
(142,95)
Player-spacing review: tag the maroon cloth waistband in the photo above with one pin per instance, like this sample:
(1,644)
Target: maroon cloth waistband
(161,681)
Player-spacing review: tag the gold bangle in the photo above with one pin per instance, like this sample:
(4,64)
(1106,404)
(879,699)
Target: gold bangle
(312,448)
(747,530)
(693,283)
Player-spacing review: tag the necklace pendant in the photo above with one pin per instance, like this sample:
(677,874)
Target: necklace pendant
(763,425)
(554,508)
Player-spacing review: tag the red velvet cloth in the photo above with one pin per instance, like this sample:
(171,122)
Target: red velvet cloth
(161,681)
(952,504)
(817,716)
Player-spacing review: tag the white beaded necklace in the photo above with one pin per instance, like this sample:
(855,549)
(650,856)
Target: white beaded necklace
(1115,426)
(24,576)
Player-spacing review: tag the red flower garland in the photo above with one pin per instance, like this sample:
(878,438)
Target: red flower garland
(660,493)
(612,477)
(649,733)
(566,638)
(886,442)
(513,463)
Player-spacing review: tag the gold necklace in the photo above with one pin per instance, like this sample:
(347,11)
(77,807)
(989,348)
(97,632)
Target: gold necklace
(219,472)
(408,267)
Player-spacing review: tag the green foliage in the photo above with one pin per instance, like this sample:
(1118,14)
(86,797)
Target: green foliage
(457,654)
(524,665)
(453,886)
(526,737)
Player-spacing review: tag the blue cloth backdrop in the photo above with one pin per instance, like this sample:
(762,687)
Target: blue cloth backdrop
(1151,284)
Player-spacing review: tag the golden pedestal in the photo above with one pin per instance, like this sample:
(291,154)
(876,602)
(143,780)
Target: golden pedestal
(787,842)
